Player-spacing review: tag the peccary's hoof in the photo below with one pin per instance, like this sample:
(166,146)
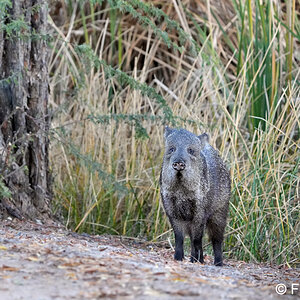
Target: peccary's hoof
(218,263)
(178,256)
(194,260)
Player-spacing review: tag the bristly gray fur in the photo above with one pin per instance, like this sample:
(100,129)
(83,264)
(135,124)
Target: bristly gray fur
(195,191)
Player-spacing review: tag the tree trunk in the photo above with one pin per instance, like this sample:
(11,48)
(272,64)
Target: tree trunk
(24,172)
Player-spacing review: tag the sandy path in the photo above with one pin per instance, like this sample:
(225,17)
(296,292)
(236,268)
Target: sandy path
(39,262)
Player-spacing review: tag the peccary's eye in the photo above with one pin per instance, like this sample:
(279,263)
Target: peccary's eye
(171,150)
(191,151)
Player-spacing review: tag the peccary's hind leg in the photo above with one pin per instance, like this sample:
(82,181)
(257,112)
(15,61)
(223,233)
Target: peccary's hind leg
(217,246)
(196,245)
(179,238)
(216,234)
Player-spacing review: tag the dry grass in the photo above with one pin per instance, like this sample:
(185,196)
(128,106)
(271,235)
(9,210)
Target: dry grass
(91,161)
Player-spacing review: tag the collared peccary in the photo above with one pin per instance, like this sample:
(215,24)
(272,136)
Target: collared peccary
(195,190)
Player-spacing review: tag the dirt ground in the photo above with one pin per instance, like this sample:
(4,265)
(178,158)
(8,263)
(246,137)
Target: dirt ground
(47,262)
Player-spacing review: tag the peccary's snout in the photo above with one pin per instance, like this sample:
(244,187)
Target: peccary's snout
(178,165)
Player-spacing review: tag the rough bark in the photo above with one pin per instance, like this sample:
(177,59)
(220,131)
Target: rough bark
(24,121)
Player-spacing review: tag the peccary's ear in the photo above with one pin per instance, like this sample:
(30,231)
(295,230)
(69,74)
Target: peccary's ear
(168,131)
(204,138)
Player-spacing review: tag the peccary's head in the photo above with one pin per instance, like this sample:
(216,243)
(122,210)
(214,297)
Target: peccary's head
(184,165)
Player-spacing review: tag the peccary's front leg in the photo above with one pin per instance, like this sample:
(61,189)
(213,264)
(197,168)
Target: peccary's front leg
(179,238)
(196,245)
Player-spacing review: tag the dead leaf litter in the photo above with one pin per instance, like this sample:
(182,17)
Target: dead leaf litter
(48,262)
